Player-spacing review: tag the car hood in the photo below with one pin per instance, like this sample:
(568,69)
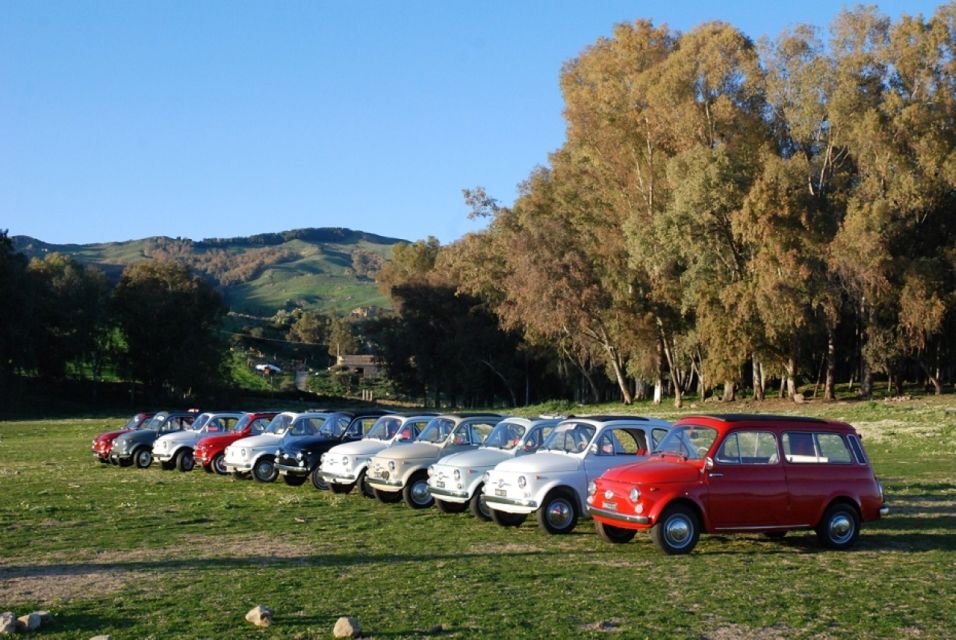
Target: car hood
(136,436)
(222,438)
(412,451)
(306,443)
(541,462)
(180,437)
(359,448)
(260,441)
(655,471)
(476,458)
(111,435)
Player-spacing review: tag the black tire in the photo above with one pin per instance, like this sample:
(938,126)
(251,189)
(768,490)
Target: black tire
(168,465)
(415,493)
(265,470)
(362,483)
(505,519)
(840,526)
(185,460)
(117,461)
(341,488)
(612,534)
(294,481)
(388,497)
(124,462)
(559,512)
(677,530)
(477,505)
(218,464)
(103,460)
(450,507)
(143,457)
(318,481)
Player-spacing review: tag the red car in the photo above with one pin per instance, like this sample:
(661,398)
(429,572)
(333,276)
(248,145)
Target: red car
(103,442)
(209,450)
(742,473)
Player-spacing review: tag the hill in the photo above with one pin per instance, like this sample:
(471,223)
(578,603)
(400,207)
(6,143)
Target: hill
(321,268)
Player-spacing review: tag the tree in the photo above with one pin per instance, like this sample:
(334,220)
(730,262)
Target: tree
(340,338)
(18,322)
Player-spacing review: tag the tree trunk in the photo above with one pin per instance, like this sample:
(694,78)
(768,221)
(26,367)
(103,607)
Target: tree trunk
(791,370)
(678,397)
(758,381)
(621,382)
(866,382)
(828,390)
(729,391)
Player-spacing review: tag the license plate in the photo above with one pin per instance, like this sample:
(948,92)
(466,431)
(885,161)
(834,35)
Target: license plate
(440,484)
(501,493)
(609,505)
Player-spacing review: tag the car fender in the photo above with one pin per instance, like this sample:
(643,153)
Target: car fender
(561,483)
(412,471)
(669,496)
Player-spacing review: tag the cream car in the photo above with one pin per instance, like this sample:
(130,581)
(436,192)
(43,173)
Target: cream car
(344,466)
(553,482)
(398,473)
(455,481)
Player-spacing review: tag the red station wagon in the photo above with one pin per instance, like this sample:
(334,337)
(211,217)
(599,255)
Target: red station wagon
(742,473)
(211,449)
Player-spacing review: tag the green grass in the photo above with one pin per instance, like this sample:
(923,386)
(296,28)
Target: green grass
(159,554)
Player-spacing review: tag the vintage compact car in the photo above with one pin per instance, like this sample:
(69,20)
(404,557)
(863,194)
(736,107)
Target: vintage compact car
(742,473)
(256,454)
(456,481)
(298,460)
(554,480)
(210,450)
(104,441)
(398,473)
(176,450)
(344,466)
(137,446)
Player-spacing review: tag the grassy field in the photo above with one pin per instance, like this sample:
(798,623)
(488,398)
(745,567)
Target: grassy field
(160,554)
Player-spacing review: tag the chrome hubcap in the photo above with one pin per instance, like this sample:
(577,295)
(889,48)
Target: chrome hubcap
(145,457)
(265,469)
(678,531)
(559,514)
(841,528)
(420,492)
(220,465)
(187,461)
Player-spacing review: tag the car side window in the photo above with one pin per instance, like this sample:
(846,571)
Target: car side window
(622,442)
(833,448)
(480,431)
(748,447)
(657,435)
(535,439)
(356,429)
(857,447)
(821,448)
(258,426)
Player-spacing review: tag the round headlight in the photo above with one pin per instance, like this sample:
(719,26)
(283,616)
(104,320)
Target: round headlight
(635,494)
(298,456)
(592,488)
(391,465)
(345,461)
(431,470)
(522,481)
(457,474)
(242,452)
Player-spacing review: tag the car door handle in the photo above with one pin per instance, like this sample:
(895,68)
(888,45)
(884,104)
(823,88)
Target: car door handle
(716,475)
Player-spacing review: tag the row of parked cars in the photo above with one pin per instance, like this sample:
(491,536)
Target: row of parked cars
(710,474)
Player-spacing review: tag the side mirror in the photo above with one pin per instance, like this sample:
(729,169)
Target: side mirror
(593,448)
(708,463)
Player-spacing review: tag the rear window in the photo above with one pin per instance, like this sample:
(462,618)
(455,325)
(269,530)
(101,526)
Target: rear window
(815,448)
(857,447)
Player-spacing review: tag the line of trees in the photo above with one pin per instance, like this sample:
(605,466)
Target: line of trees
(723,213)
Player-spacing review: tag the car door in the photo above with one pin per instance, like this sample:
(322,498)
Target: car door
(612,448)
(746,488)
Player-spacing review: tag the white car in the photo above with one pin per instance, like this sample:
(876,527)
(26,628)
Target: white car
(344,465)
(455,481)
(554,480)
(175,450)
(258,453)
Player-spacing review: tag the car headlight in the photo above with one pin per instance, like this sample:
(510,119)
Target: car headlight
(635,494)
(592,488)
(243,453)
(94,442)
(457,474)
(345,461)
(391,465)
(299,456)
(522,481)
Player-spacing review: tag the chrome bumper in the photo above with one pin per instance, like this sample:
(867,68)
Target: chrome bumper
(526,503)
(385,485)
(338,478)
(884,511)
(617,516)
(462,496)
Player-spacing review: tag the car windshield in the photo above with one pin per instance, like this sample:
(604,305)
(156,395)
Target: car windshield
(242,424)
(385,428)
(200,422)
(570,438)
(280,424)
(308,426)
(690,441)
(436,430)
(157,422)
(504,436)
(132,422)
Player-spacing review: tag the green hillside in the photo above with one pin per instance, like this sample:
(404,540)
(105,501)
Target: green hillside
(327,269)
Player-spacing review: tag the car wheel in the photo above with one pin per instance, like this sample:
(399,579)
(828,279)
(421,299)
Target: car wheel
(478,507)
(839,527)
(143,458)
(219,464)
(167,465)
(415,492)
(341,488)
(124,462)
(388,497)
(677,530)
(207,468)
(505,519)
(185,460)
(362,483)
(294,481)
(103,460)
(450,507)
(265,469)
(559,513)
(614,535)
(318,481)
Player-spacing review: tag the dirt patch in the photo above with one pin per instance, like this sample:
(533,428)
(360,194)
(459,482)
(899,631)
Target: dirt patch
(59,583)
(743,632)
(604,626)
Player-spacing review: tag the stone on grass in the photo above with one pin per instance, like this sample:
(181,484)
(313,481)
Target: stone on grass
(8,623)
(29,622)
(347,627)
(103,637)
(260,616)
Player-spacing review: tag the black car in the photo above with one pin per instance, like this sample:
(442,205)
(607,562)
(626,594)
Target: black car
(299,460)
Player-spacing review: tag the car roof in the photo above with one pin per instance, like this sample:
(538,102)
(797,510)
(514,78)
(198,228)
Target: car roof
(765,418)
(462,416)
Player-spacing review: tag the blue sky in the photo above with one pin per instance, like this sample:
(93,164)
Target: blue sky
(121,120)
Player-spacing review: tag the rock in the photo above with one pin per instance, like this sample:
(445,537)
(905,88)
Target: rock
(798,398)
(8,623)
(347,627)
(29,622)
(103,637)
(45,617)
(260,616)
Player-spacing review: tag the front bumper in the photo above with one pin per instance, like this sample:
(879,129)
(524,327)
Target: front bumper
(511,505)
(238,467)
(449,495)
(285,469)
(120,456)
(618,517)
(390,486)
(338,478)
(164,457)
